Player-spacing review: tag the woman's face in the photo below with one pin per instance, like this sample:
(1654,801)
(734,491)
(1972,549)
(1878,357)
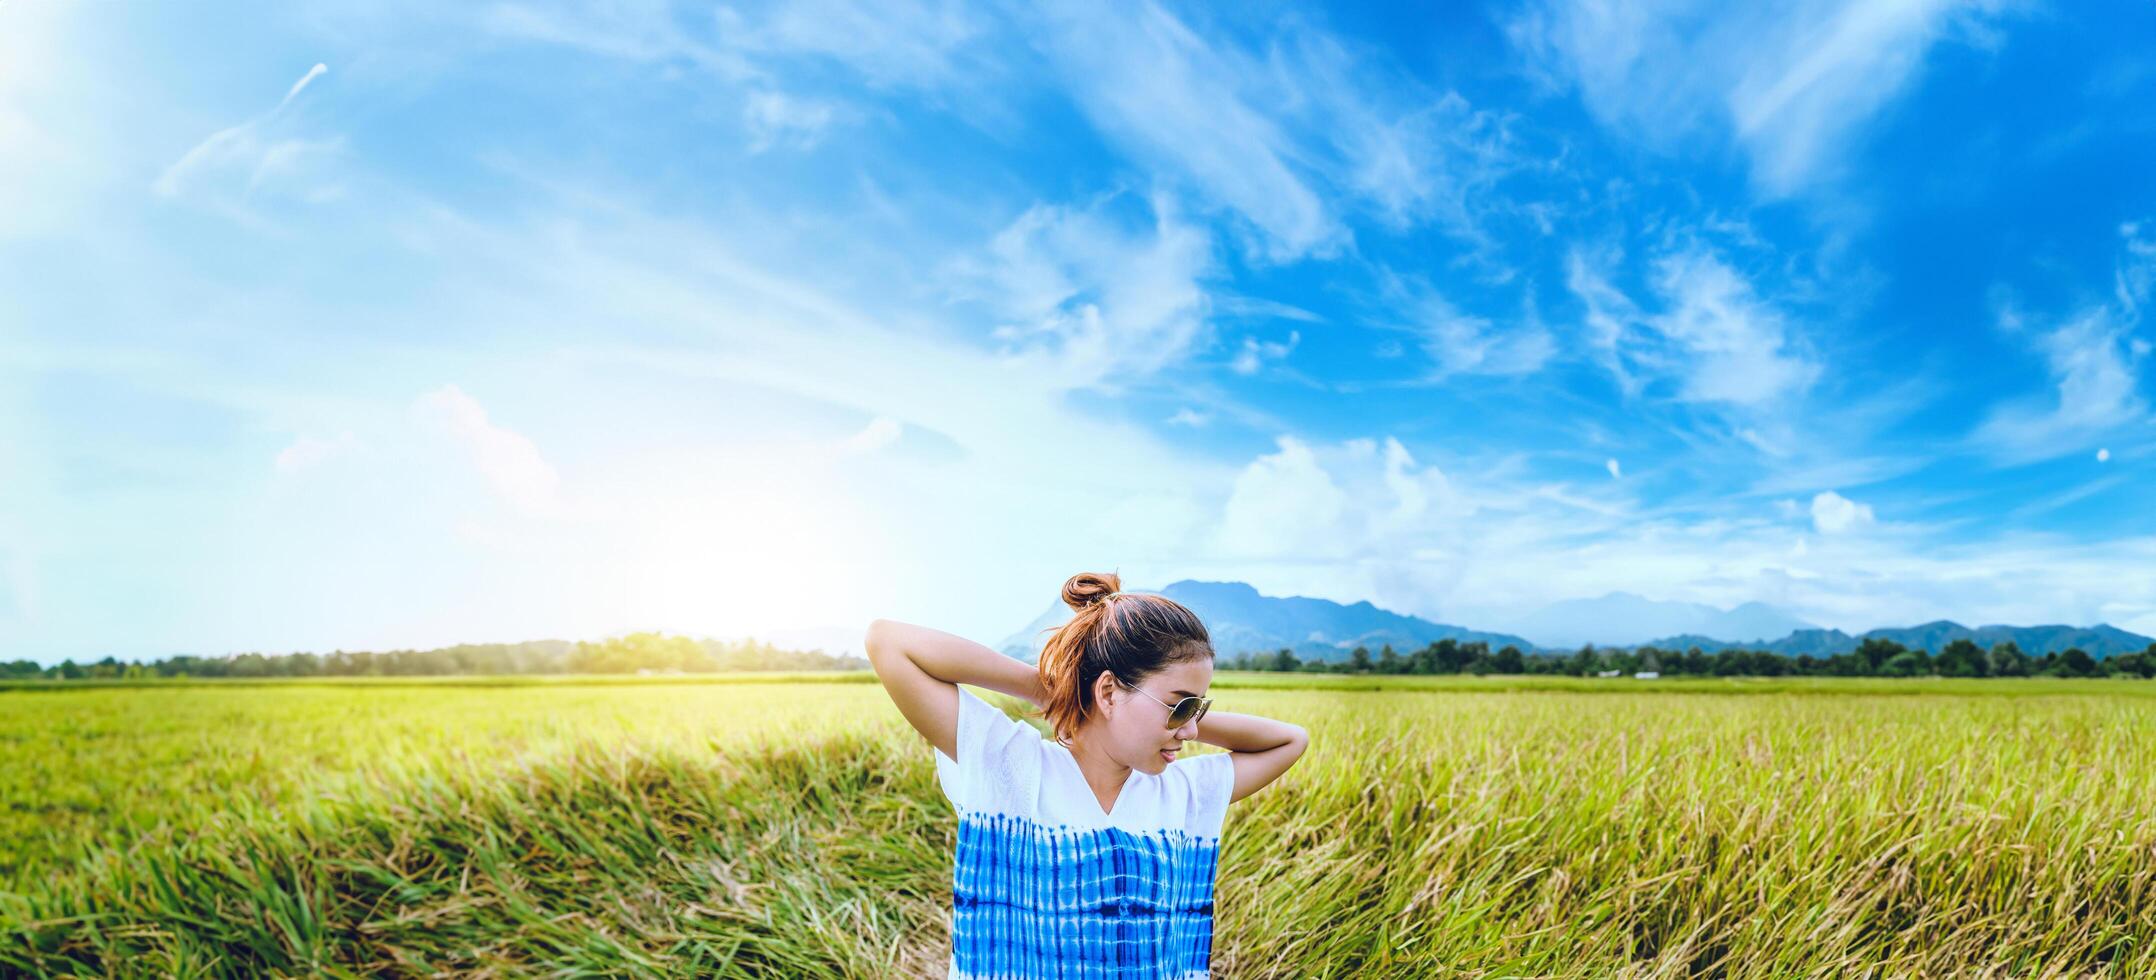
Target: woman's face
(1135,727)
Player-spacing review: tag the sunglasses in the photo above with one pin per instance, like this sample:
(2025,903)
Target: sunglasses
(1182,712)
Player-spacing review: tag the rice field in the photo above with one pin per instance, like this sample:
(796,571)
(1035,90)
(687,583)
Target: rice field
(1438,826)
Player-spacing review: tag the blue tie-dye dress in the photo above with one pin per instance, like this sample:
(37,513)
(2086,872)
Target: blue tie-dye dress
(1047,885)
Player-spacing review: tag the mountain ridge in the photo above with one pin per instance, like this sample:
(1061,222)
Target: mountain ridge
(1243,620)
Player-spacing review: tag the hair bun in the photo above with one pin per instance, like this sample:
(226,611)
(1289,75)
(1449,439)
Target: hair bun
(1088,588)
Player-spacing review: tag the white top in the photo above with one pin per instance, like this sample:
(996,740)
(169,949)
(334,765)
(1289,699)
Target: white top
(1046,884)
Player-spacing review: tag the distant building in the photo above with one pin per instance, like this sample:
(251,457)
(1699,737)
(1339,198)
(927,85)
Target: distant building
(1608,673)
(1648,675)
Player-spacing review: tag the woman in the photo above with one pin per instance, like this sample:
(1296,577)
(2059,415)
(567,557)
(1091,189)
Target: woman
(1093,854)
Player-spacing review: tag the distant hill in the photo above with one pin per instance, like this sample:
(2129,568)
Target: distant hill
(1625,618)
(2097,641)
(1241,620)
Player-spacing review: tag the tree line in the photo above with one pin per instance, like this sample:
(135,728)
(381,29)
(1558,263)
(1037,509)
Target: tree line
(1873,657)
(627,654)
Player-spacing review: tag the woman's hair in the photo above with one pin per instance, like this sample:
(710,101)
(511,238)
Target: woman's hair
(1128,634)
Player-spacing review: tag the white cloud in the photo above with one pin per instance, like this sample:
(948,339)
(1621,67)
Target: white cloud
(1410,154)
(638,30)
(1741,350)
(1157,87)
(1302,504)
(1285,505)
(1836,66)
(1255,352)
(1286,132)
(2093,370)
(1086,298)
(2103,455)
(1333,521)
(1615,472)
(1471,345)
(317,71)
(1188,417)
(1286,138)
(1833,513)
(1457,343)
(2094,361)
(510,462)
(1793,84)
(268,155)
(2135,279)
(916,43)
(774,118)
(1715,338)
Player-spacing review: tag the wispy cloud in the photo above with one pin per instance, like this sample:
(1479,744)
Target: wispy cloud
(1833,513)
(1714,337)
(509,460)
(2093,360)
(1792,84)
(1256,352)
(2093,364)
(776,119)
(923,44)
(1458,343)
(266,155)
(1085,295)
(1288,137)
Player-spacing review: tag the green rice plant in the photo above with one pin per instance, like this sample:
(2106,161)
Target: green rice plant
(1473,827)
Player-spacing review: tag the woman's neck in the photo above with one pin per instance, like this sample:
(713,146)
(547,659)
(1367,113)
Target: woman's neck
(1103,775)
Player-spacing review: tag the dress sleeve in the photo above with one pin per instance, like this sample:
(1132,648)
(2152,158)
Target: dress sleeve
(985,735)
(1212,783)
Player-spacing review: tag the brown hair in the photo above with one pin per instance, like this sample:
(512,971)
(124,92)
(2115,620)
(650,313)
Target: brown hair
(1129,634)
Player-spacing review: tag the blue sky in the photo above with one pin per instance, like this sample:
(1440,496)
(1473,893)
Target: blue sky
(373,324)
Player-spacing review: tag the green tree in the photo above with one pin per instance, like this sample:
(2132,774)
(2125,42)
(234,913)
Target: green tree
(1961,658)
(1907,663)
(2075,662)
(2006,660)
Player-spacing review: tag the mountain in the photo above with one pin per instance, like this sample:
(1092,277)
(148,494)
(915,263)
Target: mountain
(2098,641)
(1241,620)
(1625,619)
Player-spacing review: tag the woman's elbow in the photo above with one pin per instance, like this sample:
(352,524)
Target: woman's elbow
(877,645)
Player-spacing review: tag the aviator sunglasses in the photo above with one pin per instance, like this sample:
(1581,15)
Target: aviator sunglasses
(1180,713)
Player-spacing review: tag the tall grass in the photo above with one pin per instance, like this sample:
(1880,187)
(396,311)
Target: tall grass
(795,829)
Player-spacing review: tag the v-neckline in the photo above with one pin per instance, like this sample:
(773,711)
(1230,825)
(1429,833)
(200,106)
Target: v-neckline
(1106,815)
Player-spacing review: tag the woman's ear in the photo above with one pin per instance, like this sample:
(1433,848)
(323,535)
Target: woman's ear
(1104,692)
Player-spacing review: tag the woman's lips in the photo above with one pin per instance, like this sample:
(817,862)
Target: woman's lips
(1168,754)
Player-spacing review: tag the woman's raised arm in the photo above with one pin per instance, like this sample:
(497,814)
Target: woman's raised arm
(922,667)
(1260,748)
